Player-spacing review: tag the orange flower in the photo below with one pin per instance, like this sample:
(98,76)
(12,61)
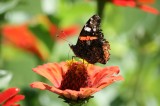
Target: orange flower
(21,37)
(63,33)
(69,31)
(146,1)
(9,97)
(74,80)
(141,4)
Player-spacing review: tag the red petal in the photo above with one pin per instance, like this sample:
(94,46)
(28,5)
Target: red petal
(8,94)
(44,86)
(52,71)
(13,100)
(72,94)
(107,81)
(22,37)
(92,69)
(105,72)
(130,3)
(53,30)
(86,92)
(149,9)
(16,105)
(39,85)
(71,30)
(146,1)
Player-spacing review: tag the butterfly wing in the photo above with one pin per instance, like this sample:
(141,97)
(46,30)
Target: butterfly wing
(91,45)
(91,27)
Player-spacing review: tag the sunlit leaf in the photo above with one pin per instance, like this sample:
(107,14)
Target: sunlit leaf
(5,78)
(5,6)
(43,35)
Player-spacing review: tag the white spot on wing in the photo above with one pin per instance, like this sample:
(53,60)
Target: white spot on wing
(88,29)
(94,29)
(88,42)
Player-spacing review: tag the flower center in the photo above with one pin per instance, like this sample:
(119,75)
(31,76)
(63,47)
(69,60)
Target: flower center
(76,77)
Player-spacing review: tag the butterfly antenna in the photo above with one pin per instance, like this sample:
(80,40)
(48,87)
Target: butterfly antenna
(62,37)
(68,53)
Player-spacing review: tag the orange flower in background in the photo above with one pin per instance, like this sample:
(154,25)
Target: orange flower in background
(141,4)
(69,31)
(146,1)
(23,38)
(74,80)
(10,96)
(63,32)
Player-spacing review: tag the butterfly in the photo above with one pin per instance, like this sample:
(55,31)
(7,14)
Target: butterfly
(91,44)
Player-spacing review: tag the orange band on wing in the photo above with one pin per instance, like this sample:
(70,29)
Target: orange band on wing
(87,38)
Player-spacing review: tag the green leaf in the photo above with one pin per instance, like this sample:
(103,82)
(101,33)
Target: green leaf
(54,19)
(78,102)
(43,35)
(5,78)
(5,6)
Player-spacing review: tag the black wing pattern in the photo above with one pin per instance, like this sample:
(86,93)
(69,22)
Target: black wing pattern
(91,44)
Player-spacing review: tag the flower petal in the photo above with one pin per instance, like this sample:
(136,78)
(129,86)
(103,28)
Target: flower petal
(86,92)
(146,1)
(107,81)
(66,94)
(52,71)
(149,9)
(39,85)
(22,37)
(105,72)
(130,3)
(69,31)
(13,100)
(15,104)
(92,69)
(83,93)
(44,86)
(8,94)
(64,67)
(139,3)
(71,94)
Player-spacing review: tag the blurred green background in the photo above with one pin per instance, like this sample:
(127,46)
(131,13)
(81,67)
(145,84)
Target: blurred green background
(134,37)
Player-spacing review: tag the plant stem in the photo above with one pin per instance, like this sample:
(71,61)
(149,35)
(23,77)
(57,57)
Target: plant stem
(1,60)
(100,7)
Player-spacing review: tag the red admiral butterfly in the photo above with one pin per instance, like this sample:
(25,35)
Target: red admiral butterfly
(91,45)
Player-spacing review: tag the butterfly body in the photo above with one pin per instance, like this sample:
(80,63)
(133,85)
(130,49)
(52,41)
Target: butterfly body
(91,45)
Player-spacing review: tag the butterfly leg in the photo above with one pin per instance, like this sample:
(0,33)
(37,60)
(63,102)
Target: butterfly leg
(87,64)
(83,61)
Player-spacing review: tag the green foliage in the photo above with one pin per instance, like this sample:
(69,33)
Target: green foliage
(5,78)
(43,35)
(78,102)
